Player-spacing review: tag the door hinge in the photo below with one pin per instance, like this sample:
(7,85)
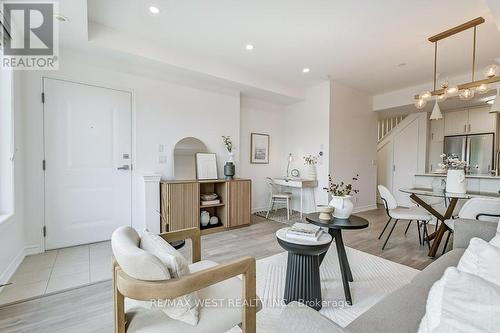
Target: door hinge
(44,230)
(394,167)
(43,165)
(43,97)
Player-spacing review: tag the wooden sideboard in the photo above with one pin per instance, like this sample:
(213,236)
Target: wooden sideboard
(181,208)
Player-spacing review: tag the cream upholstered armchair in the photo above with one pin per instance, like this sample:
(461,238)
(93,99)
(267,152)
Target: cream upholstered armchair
(211,281)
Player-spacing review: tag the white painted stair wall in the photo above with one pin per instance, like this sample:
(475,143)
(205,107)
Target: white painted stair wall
(401,154)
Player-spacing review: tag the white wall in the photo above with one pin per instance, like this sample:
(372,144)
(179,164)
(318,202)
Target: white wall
(353,142)
(163,114)
(11,226)
(307,132)
(266,118)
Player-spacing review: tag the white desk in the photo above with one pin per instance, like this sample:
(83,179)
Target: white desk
(298,183)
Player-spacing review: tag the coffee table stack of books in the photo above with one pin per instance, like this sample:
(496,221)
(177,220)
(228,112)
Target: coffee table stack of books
(304,232)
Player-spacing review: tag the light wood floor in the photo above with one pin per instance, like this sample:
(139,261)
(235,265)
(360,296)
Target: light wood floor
(89,309)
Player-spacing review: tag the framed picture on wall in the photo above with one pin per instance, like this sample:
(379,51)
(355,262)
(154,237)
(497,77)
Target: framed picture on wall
(206,166)
(259,148)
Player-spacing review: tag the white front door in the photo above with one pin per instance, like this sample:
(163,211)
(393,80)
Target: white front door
(88,178)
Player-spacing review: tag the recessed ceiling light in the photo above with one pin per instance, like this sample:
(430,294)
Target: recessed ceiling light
(61,18)
(306,70)
(154,10)
(249,47)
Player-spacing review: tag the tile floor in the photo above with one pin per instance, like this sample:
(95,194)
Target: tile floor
(58,270)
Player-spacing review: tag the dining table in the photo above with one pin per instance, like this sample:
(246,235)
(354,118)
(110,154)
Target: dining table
(451,200)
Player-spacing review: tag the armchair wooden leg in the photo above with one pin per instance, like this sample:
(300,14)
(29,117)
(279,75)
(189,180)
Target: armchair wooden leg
(118,304)
(250,298)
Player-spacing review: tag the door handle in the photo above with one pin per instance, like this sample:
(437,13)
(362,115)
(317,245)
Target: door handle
(123,167)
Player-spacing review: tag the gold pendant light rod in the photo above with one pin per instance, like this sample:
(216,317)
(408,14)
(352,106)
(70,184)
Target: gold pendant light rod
(467,85)
(473,55)
(459,28)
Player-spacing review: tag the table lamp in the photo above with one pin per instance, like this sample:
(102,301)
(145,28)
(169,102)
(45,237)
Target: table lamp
(288,165)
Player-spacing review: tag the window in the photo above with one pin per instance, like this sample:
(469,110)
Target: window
(6,145)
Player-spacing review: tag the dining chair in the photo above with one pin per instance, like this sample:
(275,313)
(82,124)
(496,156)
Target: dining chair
(417,214)
(277,197)
(484,209)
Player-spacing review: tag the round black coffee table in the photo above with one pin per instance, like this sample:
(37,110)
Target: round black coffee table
(302,282)
(335,227)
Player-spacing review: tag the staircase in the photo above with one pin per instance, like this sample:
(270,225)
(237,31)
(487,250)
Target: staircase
(386,125)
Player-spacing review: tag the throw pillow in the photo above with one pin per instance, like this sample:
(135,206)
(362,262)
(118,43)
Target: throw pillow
(184,308)
(496,240)
(462,303)
(481,259)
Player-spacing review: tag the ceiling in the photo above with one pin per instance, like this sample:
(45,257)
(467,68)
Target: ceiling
(359,43)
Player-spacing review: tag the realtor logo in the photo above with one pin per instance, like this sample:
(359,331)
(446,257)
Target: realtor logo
(29,35)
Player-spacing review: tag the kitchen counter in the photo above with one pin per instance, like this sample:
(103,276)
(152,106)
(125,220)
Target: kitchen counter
(478,183)
(466,176)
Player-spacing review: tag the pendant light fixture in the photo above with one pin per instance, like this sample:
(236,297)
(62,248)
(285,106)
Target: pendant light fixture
(495,107)
(436,112)
(466,91)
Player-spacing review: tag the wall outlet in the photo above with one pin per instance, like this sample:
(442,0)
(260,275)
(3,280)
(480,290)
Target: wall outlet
(162,159)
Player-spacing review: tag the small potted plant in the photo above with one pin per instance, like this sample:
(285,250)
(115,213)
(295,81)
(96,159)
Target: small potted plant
(455,176)
(341,197)
(229,168)
(310,162)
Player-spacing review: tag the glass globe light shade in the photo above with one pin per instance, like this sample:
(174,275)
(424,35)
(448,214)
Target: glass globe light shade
(466,94)
(491,71)
(420,103)
(482,88)
(452,90)
(445,83)
(426,95)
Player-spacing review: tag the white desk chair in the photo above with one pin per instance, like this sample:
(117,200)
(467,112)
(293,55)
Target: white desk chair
(402,213)
(278,197)
(484,209)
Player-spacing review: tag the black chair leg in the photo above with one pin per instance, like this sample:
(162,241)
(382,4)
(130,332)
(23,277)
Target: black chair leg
(419,236)
(407,227)
(380,236)
(390,233)
(446,243)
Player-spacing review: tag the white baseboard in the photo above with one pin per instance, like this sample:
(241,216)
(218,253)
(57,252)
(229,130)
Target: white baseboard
(258,209)
(33,249)
(12,268)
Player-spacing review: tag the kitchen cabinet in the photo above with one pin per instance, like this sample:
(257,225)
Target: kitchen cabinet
(455,122)
(434,158)
(481,120)
(469,121)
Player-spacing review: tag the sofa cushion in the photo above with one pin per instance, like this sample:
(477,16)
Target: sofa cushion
(217,312)
(403,310)
(481,259)
(462,302)
(184,308)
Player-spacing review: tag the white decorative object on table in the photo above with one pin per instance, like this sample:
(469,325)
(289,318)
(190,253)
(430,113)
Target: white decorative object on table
(310,163)
(325,212)
(455,178)
(204,218)
(343,206)
(341,197)
(214,220)
(455,181)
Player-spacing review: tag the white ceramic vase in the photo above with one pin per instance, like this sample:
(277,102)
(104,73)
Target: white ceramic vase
(455,182)
(204,218)
(311,171)
(343,206)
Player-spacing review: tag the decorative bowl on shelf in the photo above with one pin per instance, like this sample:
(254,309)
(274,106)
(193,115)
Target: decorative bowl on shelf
(325,212)
(209,196)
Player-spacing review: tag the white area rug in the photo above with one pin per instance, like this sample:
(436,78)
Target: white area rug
(374,278)
(280,215)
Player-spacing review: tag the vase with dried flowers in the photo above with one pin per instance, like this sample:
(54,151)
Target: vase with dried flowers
(342,194)
(310,162)
(229,168)
(455,176)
